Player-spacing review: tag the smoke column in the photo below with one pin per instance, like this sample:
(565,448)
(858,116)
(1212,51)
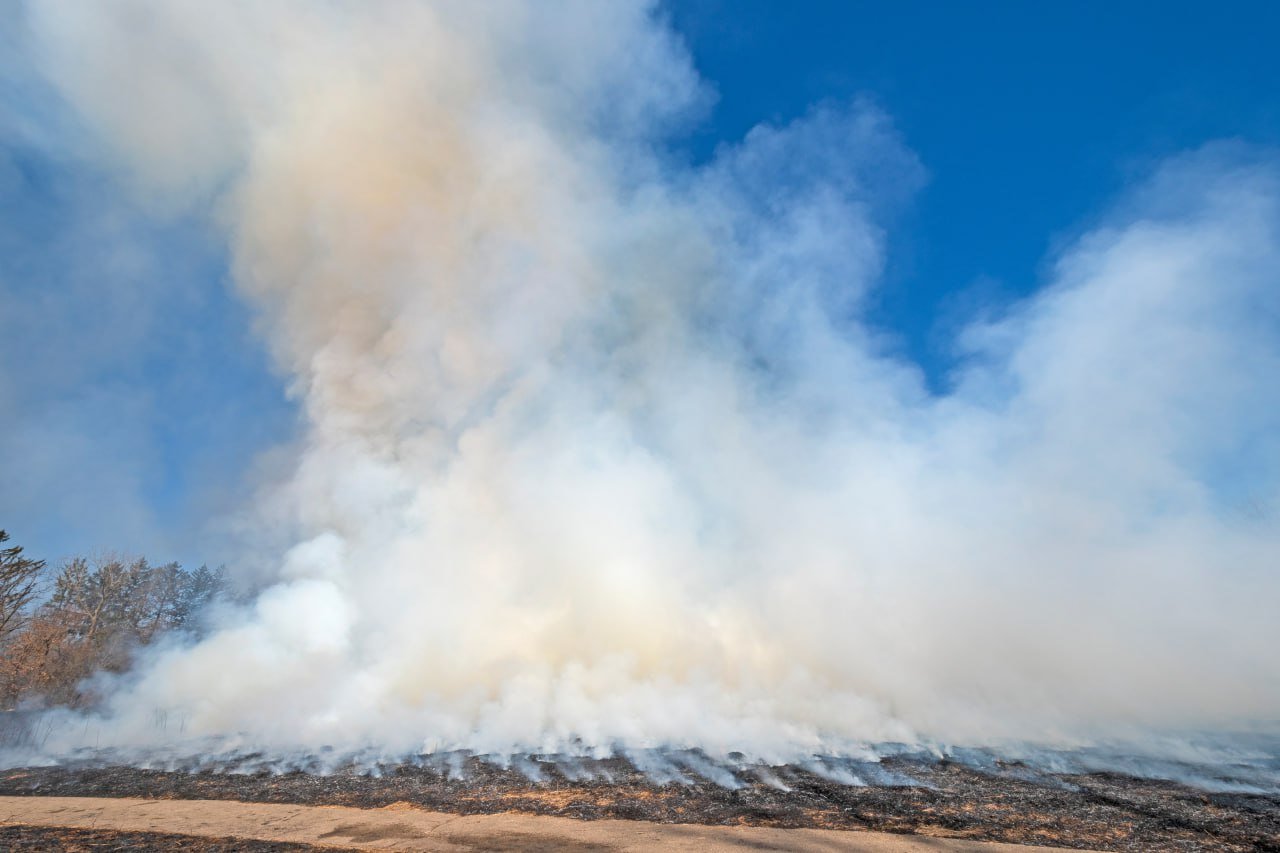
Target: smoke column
(598,449)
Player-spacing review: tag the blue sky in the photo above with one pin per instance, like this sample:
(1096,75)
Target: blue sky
(1028,117)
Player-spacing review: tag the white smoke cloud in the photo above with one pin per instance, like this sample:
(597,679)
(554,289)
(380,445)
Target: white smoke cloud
(109,374)
(599,452)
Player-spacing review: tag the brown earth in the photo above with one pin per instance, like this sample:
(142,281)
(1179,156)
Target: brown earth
(86,823)
(940,799)
(19,837)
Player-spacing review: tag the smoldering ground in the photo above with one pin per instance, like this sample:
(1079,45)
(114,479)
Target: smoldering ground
(963,795)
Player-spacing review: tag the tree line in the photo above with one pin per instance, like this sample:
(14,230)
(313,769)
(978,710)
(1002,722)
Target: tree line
(90,615)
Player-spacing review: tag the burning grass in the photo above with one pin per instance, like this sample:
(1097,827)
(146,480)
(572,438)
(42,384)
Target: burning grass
(1005,801)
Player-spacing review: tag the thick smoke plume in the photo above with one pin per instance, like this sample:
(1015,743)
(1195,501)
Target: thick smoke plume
(600,451)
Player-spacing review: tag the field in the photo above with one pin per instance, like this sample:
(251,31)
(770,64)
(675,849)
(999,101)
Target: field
(936,799)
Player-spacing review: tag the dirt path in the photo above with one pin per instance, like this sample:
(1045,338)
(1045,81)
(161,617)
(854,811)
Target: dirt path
(402,827)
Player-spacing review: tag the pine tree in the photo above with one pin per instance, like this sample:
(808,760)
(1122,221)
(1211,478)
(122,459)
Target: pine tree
(19,581)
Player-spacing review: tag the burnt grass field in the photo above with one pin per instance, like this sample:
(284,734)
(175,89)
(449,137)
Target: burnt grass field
(1003,801)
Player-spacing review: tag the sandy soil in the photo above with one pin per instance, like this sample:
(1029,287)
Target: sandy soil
(403,827)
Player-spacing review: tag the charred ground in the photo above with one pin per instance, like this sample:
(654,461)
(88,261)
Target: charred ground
(1005,801)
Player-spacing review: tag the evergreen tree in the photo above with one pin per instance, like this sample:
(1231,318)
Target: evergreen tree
(19,581)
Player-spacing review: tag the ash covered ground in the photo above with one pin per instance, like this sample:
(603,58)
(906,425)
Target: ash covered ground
(45,839)
(975,795)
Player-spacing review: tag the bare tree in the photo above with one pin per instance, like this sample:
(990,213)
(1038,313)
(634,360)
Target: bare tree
(99,613)
(91,599)
(19,580)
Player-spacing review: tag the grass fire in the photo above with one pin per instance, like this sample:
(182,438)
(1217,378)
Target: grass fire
(557,436)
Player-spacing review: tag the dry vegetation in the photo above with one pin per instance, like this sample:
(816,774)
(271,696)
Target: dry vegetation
(938,798)
(97,613)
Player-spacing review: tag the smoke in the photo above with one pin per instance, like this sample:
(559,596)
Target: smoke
(128,405)
(600,451)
